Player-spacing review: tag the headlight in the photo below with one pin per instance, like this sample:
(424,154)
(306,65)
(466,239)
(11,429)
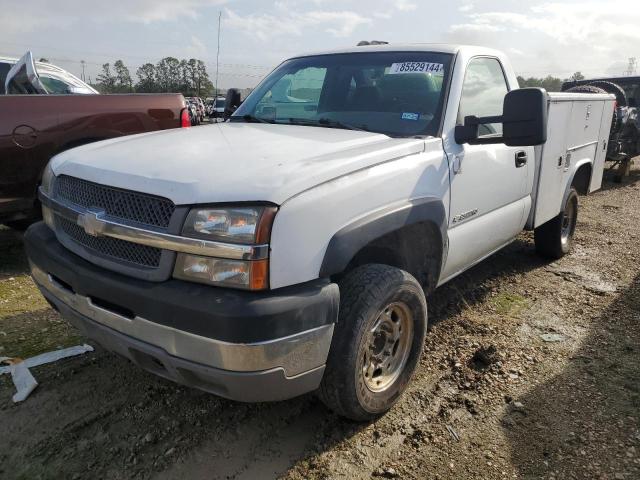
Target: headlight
(250,225)
(47,179)
(245,274)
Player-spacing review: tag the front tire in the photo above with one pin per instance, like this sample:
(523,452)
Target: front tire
(554,239)
(377,342)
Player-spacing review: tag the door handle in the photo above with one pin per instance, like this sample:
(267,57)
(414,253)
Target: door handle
(521,159)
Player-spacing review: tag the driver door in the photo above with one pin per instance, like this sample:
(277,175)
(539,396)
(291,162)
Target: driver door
(489,183)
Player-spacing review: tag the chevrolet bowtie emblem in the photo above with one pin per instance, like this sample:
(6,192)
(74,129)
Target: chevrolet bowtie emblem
(92,223)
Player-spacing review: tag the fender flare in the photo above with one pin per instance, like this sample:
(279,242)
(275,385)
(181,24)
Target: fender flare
(350,239)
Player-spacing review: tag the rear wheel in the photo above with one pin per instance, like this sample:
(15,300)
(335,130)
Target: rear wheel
(555,238)
(377,342)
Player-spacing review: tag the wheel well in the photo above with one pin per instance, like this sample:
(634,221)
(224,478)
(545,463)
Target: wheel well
(416,248)
(582,179)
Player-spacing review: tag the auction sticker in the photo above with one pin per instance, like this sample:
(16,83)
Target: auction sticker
(417,67)
(410,116)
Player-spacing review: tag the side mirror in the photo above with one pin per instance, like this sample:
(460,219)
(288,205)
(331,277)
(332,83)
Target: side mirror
(524,121)
(232,102)
(524,115)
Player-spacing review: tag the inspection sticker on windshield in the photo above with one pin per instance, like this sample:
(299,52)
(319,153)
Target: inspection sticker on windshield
(417,67)
(410,116)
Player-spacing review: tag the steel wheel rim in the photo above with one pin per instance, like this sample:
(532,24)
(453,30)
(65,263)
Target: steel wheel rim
(568,220)
(387,347)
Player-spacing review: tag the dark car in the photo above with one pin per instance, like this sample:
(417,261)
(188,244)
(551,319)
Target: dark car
(35,126)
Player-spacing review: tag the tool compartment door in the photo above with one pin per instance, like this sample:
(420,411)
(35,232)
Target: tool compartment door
(601,152)
(551,174)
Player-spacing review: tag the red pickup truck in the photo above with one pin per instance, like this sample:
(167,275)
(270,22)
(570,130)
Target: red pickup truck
(36,124)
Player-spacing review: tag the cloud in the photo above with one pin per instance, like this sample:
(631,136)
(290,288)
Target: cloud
(29,15)
(196,48)
(565,22)
(466,7)
(290,22)
(560,37)
(405,5)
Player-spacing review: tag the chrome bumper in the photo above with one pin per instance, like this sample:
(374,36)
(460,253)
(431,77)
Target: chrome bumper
(294,354)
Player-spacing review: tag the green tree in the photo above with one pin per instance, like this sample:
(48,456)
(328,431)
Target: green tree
(146,78)
(105,80)
(168,74)
(123,78)
(577,77)
(204,86)
(185,79)
(549,83)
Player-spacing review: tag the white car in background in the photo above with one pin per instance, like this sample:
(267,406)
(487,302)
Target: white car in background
(46,79)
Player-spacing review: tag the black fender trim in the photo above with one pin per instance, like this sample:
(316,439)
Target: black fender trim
(348,241)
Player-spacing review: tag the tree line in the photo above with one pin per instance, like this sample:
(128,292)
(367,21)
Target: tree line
(190,78)
(170,74)
(549,83)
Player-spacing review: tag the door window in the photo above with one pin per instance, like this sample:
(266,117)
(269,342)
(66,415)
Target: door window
(483,93)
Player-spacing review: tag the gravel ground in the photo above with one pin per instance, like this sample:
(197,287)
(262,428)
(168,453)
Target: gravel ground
(530,370)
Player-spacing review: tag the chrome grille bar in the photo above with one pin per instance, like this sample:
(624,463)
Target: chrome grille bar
(97,224)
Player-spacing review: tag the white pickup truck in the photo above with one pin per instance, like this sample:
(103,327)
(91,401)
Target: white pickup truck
(291,248)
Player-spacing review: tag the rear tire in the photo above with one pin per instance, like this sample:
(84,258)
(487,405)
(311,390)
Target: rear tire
(554,239)
(377,342)
(614,88)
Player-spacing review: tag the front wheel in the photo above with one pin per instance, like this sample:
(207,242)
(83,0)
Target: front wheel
(377,342)
(555,238)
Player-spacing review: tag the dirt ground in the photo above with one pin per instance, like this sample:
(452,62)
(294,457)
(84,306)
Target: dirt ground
(531,370)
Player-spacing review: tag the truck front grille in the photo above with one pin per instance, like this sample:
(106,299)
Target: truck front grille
(112,248)
(124,204)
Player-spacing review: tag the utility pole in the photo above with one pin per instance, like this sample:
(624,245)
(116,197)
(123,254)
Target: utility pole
(83,62)
(218,54)
(631,68)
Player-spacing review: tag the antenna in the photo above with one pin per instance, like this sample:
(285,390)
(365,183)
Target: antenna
(631,68)
(218,54)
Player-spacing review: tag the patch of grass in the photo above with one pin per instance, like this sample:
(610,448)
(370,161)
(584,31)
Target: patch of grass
(506,303)
(28,326)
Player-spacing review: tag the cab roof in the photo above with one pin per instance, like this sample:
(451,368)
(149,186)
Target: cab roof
(410,47)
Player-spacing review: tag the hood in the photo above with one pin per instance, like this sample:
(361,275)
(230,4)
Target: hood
(231,162)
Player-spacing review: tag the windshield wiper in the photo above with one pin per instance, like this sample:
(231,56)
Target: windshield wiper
(328,123)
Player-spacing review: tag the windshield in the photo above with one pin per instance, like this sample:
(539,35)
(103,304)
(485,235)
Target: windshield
(61,82)
(220,103)
(395,93)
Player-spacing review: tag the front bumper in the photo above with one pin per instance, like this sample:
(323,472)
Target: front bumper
(246,346)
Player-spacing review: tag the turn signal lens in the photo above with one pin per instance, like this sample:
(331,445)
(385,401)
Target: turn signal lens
(244,274)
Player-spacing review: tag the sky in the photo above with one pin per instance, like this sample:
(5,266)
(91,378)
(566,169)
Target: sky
(541,37)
